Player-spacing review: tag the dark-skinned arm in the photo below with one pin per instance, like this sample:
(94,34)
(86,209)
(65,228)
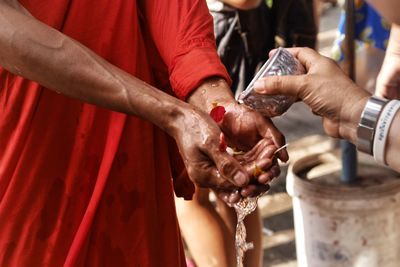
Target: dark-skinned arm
(38,52)
(189,54)
(333,96)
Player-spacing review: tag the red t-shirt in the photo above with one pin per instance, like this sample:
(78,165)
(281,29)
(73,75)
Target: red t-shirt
(86,186)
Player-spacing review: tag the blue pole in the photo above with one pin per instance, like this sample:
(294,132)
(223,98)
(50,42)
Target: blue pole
(349,152)
(349,162)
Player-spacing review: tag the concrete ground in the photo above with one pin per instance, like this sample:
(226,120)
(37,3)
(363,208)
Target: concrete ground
(297,124)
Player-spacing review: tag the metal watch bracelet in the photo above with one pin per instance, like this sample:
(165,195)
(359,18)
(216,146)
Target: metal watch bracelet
(366,126)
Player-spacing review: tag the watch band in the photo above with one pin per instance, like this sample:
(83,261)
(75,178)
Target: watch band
(382,130)
(366,126)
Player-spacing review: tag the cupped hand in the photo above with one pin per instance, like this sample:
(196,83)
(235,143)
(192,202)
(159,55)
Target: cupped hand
(262,166)
(325,88)
(198,140)
(261,161)
(244,128)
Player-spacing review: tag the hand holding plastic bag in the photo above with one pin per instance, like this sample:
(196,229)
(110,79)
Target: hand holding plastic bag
(281,63)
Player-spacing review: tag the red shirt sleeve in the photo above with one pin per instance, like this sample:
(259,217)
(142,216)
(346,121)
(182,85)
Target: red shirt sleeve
(182,31)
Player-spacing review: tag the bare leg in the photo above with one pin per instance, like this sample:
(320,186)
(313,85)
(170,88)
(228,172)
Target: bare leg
(209,231)
(206,235)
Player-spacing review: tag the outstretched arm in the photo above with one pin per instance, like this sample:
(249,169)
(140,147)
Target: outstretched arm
(189,52)
(38,52)
(333,96)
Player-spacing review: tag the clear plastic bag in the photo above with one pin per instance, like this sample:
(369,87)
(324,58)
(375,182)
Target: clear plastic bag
(281,63)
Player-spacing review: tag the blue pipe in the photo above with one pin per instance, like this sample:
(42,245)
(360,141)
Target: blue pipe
(349,162)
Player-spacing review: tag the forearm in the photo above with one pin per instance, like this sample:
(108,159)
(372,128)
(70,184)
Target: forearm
(213,91)
(33,50)
(394,40)
(389,9)
(243,4)
(393,141)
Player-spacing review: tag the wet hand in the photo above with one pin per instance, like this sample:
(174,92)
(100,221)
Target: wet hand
(261,164)
(198,140)
(245,128)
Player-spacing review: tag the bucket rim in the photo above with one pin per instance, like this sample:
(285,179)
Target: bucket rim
(298,186)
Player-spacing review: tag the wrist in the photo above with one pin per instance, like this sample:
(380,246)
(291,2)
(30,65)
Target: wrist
(350,116)
(368,122)
(213,91)
(171,116)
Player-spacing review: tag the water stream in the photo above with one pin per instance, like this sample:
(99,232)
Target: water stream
(243,208)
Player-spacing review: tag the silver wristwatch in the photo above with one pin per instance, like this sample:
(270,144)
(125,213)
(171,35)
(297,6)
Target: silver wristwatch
(366,126)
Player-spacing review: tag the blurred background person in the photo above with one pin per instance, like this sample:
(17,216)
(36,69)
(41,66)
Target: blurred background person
(332,95)
(388,82)
(371,40)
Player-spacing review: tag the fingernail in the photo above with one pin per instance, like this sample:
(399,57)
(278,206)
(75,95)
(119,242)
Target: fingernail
(240,179)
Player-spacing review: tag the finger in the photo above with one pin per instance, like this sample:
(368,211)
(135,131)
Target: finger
(210,178)
(280,85)
(265,178)
(272,52)
(269,175)
(331,128)
(283,155)
(388,91)
(263,149)
(229,198)
(260,166)
(229,168)
(277,137)
(306,56)
(253,190)
(223,195)
(268,151)
(271,132)
(264,173)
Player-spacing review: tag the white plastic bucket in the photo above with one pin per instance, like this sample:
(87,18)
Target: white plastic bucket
(340,225)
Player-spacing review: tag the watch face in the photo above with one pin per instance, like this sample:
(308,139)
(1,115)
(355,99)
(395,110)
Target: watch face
(366,126)
(281,63)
